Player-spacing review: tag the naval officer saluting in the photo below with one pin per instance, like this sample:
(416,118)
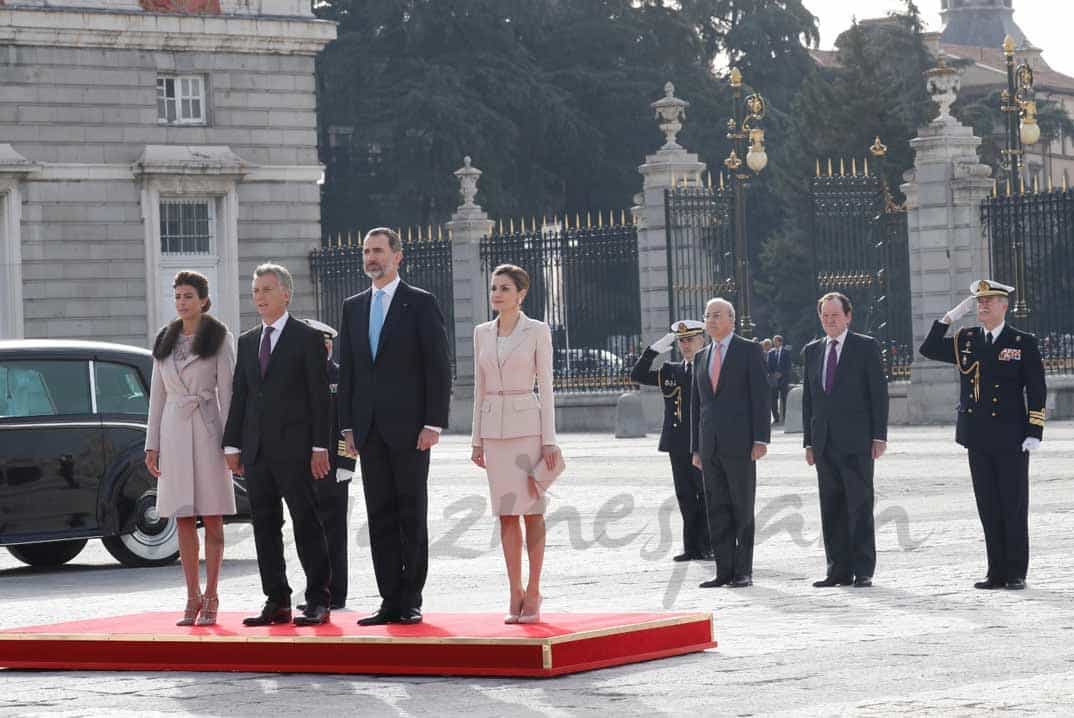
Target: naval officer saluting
(1000,421)
(674,381)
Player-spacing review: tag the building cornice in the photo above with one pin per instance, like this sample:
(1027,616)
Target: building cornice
(71,27)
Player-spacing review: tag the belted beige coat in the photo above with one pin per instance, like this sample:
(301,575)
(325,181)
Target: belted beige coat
(188,406)
(505,406)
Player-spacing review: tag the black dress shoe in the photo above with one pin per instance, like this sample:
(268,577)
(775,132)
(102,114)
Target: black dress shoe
(334,605)
(380,618)
(683,557)
(1016,584)
(272,613)
(830,581)
(715,582)
(313,616)
(863,582)
(410,616)
(989,584)
(742,581)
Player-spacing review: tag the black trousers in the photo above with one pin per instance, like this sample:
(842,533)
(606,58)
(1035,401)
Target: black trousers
(269,485)
(779,402)
(333,499)
(690,493)
(395,483)
(730,492)
(845,483)
(1001,486)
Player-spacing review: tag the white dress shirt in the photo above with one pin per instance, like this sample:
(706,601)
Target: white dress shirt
(995,332)
(389,294)
(842,339)
(274,339)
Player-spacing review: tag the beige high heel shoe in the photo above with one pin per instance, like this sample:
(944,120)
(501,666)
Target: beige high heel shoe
(533,616)
(513,612)
(190,614)
(209,606)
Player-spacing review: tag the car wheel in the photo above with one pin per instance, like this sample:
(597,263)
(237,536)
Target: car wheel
(53,553)
(154,541)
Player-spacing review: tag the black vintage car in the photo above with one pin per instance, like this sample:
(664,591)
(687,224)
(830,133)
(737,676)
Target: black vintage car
(72,435)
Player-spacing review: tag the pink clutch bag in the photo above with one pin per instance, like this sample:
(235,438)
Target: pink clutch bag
(544,476)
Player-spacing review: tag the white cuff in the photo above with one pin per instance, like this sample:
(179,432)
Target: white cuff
(231,450)
(437,429)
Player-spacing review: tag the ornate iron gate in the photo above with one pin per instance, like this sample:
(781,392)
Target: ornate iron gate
(1040,228)
(700,246)
(584,283)
(860,248)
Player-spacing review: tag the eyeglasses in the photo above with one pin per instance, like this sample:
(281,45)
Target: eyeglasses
(717,315)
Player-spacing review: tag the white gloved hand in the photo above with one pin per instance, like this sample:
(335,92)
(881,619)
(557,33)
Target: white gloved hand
(1031,443)
(961,310)
(664,343)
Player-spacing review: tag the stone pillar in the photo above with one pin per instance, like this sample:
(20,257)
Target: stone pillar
(948,249)
(661,171)
(671,164)
(470,286)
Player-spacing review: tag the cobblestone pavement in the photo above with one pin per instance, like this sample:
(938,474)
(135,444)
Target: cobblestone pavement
(921,641)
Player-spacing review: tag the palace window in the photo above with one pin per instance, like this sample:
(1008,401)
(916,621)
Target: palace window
(181,99)
(186,226)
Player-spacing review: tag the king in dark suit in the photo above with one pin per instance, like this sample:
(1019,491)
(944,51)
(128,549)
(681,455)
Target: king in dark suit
(675,381)
(730,429)
(845,421)
(1000,421)
(394,395)
(275,435)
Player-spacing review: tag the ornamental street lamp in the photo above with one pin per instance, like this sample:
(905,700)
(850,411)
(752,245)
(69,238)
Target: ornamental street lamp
(742,127)
(1022,129)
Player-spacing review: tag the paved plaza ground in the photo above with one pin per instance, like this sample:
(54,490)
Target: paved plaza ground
(921,641)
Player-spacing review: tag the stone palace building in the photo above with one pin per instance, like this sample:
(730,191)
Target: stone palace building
(140,137)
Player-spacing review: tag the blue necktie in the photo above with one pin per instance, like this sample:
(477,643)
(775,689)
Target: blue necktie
(376,321)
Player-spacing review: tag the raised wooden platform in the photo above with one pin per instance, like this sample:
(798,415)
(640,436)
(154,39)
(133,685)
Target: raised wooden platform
(474,644)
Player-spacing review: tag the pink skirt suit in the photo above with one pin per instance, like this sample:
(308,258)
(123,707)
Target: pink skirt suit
(511,422)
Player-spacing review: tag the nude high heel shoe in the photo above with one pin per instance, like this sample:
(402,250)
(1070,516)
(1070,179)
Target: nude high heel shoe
(514,610)
(190,614)
(209,607)
(533,616)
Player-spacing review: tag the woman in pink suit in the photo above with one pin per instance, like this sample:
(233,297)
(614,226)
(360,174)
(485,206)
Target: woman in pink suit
(193,364)
(514,429)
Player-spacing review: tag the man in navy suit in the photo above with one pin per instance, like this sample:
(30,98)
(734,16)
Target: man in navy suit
(394,395)
(730,430)
(845,421)
(779,368)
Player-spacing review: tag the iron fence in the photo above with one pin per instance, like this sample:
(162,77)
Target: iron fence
(338,273)
(861,248)
(1044,222)
(584,284)
(700,247)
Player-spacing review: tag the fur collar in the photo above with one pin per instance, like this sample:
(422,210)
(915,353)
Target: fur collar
(207,340)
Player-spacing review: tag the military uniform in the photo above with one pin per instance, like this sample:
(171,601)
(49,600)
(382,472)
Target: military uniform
(674,380)
(1001,404)
(333,491)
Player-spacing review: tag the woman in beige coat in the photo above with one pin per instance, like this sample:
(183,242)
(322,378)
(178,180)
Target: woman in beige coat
(513,429)
(193,364)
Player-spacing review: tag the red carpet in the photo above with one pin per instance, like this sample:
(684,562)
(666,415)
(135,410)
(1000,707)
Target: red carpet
(470,644)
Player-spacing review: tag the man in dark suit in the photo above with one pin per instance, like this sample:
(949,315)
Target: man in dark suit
(675,380)
(275,435)
(845,420)
(1000,421)
(394,395)
(779,368)
(730,429)
(333,494)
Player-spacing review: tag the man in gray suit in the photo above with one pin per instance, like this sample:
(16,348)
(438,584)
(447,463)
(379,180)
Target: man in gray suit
(730,430)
